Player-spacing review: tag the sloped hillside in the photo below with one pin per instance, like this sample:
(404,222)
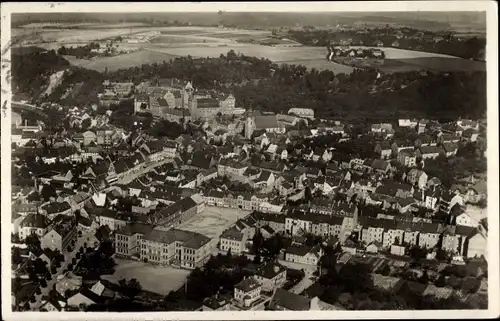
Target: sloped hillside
(31,72)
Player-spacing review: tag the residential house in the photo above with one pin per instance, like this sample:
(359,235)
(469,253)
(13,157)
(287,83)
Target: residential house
(89,137)
(429,152)
(217,303)
(470,135)
(474,243)
(247,292)
(465,219)
(111,218)
(302,112)
(60,236)
(450,149)
(287,301)
(398,145)
(380,166)
(383,148)
(417,178)
(321,154)
(271,276)
(407,158)
(52,210)
(233,240)
(448,200)
(303,254)
(33,224)
(382,128)
(429,235)
(425,140)
(451,241)
(407,123)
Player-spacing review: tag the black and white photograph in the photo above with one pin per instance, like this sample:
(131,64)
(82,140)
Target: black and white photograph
(214,160)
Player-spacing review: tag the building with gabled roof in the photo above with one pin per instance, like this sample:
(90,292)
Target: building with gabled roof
(271,275)
(33,224)
(176,247)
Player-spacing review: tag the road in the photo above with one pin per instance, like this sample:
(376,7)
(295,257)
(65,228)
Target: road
(143,171)
(305,283)
(68,256)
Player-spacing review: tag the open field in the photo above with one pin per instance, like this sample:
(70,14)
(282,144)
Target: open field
(122,61)
(158,279)
(65,35)
(432,64)
(183,39)
(86,25)
(213,221)
(212,42)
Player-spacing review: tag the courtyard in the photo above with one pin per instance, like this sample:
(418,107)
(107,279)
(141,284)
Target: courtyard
(213,220)
(158,279)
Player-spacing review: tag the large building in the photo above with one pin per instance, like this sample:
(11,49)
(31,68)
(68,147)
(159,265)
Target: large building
(268,123)
(183,249)
(128,239)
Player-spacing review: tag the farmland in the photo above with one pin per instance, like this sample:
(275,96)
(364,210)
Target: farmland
(122,61)
(212,42)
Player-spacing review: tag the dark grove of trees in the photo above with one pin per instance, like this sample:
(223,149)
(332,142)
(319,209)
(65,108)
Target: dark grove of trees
(470,48)
(79,51)
(31,71)
(361,95)
(255,83)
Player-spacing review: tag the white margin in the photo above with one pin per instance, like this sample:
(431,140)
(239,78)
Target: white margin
(361,6)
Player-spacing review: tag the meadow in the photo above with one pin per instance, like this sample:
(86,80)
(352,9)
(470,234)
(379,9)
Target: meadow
(212,42)
(122,61)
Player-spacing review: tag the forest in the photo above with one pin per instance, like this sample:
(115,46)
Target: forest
(361,95)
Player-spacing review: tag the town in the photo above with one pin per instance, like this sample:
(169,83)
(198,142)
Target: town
(263,188)
(235,183)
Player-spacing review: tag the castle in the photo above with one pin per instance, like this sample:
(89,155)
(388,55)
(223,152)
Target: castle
(168,95)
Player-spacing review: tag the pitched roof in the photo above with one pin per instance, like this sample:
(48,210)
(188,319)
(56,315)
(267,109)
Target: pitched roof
(263,122)
(290,301)
(270,270)
(35,221)
(247,285)
(232,234)
(431,150)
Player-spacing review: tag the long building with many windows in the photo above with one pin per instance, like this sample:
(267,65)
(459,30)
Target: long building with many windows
(178,248)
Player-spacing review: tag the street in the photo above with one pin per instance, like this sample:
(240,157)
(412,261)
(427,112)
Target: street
(68,256)
(143,171)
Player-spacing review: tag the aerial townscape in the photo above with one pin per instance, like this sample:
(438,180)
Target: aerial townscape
(150,175)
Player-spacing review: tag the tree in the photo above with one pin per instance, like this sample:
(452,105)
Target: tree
(48,191)
(386,270)
(32,242)
(130,288)
(43,283)
(257,259)
(257,242)
(424,278)
(16,254)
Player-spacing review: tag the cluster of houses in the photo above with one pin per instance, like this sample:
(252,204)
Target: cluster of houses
(359,53)
(264,289)
(250,164)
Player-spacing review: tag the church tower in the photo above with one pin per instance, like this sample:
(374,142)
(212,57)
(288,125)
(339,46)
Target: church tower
(249,127)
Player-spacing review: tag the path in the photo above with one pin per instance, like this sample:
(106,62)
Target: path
(68,256)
